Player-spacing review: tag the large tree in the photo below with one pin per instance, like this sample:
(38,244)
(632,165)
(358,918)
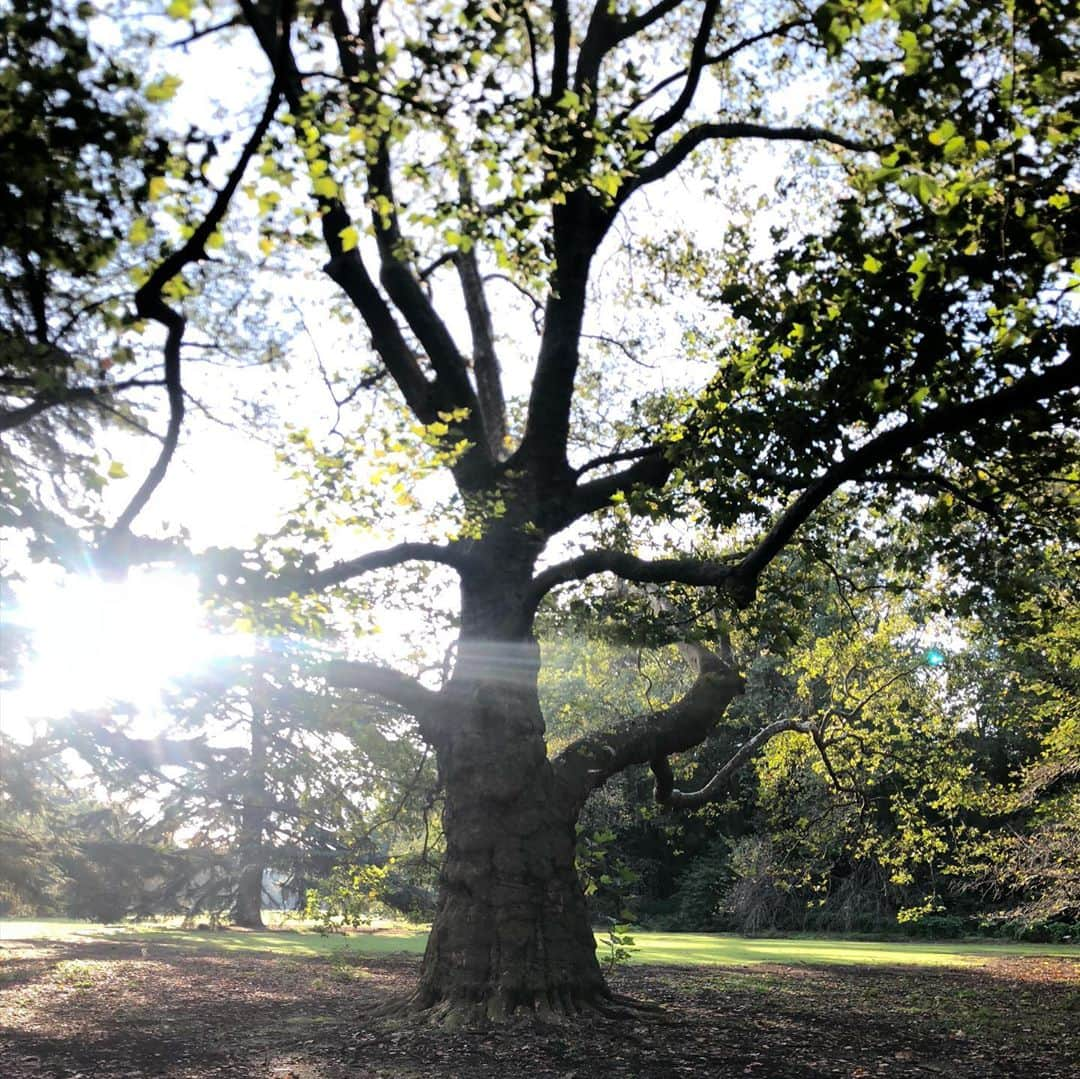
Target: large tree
(909,333)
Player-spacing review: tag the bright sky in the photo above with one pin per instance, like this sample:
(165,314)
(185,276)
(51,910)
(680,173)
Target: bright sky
(99,641)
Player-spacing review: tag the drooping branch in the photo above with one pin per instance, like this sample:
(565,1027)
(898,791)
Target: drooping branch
(150,304)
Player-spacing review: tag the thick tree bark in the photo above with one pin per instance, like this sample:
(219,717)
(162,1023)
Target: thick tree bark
(512,928)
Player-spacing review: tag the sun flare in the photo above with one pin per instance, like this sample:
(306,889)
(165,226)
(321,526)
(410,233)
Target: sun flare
(96,641)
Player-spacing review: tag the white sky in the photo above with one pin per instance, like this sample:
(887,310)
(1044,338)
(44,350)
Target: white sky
(224,487)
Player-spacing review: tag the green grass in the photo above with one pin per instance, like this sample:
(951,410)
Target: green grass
(725,950)
(302,943)
(663,948)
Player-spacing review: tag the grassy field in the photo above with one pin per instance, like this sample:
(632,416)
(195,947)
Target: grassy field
(686,949)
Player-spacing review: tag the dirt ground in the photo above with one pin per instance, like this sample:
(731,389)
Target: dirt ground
(123,1009)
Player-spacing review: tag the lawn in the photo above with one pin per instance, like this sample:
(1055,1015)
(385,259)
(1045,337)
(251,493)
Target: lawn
(674,949)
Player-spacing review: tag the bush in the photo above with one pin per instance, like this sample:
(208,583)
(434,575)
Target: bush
(939,926)
(1040,931)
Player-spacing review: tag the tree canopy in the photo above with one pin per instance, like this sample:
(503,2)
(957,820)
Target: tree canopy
(604,389)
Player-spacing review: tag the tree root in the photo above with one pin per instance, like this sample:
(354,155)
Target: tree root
(552,1008)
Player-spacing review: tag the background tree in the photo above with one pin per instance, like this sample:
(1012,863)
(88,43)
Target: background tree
(914,333)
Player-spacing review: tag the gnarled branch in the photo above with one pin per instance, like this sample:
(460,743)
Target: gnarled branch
(667,795)
(593,759)
(706,573)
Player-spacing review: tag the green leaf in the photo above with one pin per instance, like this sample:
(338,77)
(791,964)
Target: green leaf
(325,188)
(954,147)
(871,264)
(350,237)
(139,232)
(163,89)
(456,239)
(117,471)
(941,134)
(608,183)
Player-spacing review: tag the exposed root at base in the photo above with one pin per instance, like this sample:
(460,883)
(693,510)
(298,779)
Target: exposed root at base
(553,1008)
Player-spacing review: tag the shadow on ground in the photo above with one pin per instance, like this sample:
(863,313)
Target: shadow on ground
(125,1009)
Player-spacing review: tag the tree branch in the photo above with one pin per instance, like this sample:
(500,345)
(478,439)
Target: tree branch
(593,759)
(397,277)
(667,120)
(890,444)
(712,790)
(578,226)
(485,361)
(560,35)
(636,24)
(615,457)
(692,571)
(16,417)
(288,583)
(650,471)
(671,159)
(150,304)
(388,684)
(713,59)
(347,270)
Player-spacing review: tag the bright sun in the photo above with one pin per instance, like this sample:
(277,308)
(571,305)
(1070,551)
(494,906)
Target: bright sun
(96,641)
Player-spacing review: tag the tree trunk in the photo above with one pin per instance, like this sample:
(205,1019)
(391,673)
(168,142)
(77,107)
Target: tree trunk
(511,929)
(247,910)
